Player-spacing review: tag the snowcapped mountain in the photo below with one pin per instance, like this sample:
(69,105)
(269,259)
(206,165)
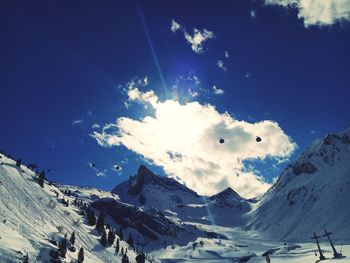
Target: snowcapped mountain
(174,223)
(310,194)
(35,219)
(150,191)
(229,198)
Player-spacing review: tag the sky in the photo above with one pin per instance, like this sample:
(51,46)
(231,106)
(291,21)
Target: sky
(88,86)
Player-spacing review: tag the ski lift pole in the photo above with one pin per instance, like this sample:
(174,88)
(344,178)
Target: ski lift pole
(335,253)
(316,237)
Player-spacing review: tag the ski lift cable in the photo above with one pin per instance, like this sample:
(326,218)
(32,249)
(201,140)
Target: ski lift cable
(79,166)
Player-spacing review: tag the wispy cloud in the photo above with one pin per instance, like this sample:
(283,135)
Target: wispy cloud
(252,13)
(196,39)
(218,91)
(183,139)
(174,26)
(221,65)
(226,54)
(77,122)
(317,12)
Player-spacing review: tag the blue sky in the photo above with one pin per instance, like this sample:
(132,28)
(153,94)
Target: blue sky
(67,61)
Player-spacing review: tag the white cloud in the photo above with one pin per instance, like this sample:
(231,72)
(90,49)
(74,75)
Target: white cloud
(77,122)
(247,74)
(193,93)
(135,94)
(198,38)
(226,54)
(174,26)
(252,13)
(221,65)
(317,12)
(218,91)
(95,126)
(183,139)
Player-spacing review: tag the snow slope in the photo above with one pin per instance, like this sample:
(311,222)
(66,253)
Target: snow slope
(30,216)
(310,194)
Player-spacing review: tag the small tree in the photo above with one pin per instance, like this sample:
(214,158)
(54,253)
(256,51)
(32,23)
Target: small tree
(81,255)
(111,237)
(130,241)
(26,258)
(41,179)
(91,217)
(140,258)
(121,233)
(63,247)
(117,247)
(19,162)
(125,258)
(103,239)
(55,256)
(72,238)
(122,251)
(100,224)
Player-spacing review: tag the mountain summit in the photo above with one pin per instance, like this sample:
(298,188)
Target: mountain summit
(151,190)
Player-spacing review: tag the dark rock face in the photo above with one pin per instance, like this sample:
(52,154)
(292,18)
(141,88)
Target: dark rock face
(295,193)
(148,224)
(137,184)
(331,138)
(304,167)
(227,193)
(229,198)
(144,177)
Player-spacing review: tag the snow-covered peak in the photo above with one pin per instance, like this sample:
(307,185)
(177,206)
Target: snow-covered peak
(146,178)
(327,151)
(311,193)
(227,194)
(151,190)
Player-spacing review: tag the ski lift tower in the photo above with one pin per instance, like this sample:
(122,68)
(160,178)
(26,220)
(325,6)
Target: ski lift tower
(316,237)
(335,253)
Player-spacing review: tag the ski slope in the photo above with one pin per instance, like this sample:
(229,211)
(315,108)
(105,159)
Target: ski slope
(30,216)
